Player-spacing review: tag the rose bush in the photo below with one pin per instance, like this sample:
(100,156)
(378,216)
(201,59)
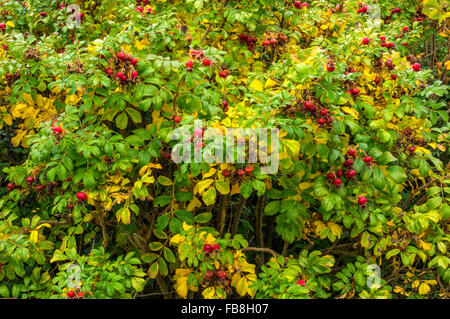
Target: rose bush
(91,93)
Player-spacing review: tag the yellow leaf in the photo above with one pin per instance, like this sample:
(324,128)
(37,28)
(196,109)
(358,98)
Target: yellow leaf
(34,236)
(236,189)
(350,111)
(270,83)
(335,229)
(242,286)
(424,288)
(256,85)
(211,172)
(186,226)
(201,186)
(293,146)
(28,99)
(43,225)
(176,239)
(209,293)
(11,24)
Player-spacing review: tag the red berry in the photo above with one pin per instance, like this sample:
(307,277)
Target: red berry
(382,38)
(221,274)
(266,43)
(226,173)
(216,246)
(249,169)
(355,91)
(134,74)
(308,105)
(177,119)
(305,5)
(362,200)
(119,75)
(189,64)
(412,149)
(209,274)
(323,112)
(120,55)
(167,155)
(394,76)
(337,182)
(134,61)
(331,176)
(43,14)
(348,163)
(351,152)
(223,74)
(70,294)
(10,186)
(57,130)
(368,159)
(298,4)
(241,172)
(206,62)
(80,294)
(339,173)
(416,67)
(140,9)
(377,80)
(366,41)
(207,248)
(81,196)
(273,41)
(351,173)
(30,179)
(2,25)
(390,45)
(331,67)
(301,282)
(321,121)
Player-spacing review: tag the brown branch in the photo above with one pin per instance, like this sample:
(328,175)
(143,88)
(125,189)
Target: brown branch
(421,188)
(262,249)
(237,216)
(222,212)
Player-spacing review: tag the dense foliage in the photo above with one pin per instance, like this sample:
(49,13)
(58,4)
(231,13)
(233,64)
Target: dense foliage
(90,95)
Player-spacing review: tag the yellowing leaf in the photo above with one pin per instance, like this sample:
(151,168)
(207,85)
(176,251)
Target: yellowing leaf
(424,288)
(270,83)
(256,85)
(34,236)
(242,286)
(28,99)
(209,293)
(350,111)
(11,24)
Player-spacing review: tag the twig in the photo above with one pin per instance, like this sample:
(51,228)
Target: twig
(262,249)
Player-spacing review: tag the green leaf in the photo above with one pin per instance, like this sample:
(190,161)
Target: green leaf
(122,121)
(135,115)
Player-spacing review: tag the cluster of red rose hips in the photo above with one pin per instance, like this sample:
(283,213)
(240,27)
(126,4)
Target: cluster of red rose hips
(208,248)
(126,63)
(419,16)
(350,173)
(385,44)
(72,295)
(363,8)
(240,173)
(323,115)
(274,41)
(353,92)
(213,275)
(249,40)
(141,9)
(299,5)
